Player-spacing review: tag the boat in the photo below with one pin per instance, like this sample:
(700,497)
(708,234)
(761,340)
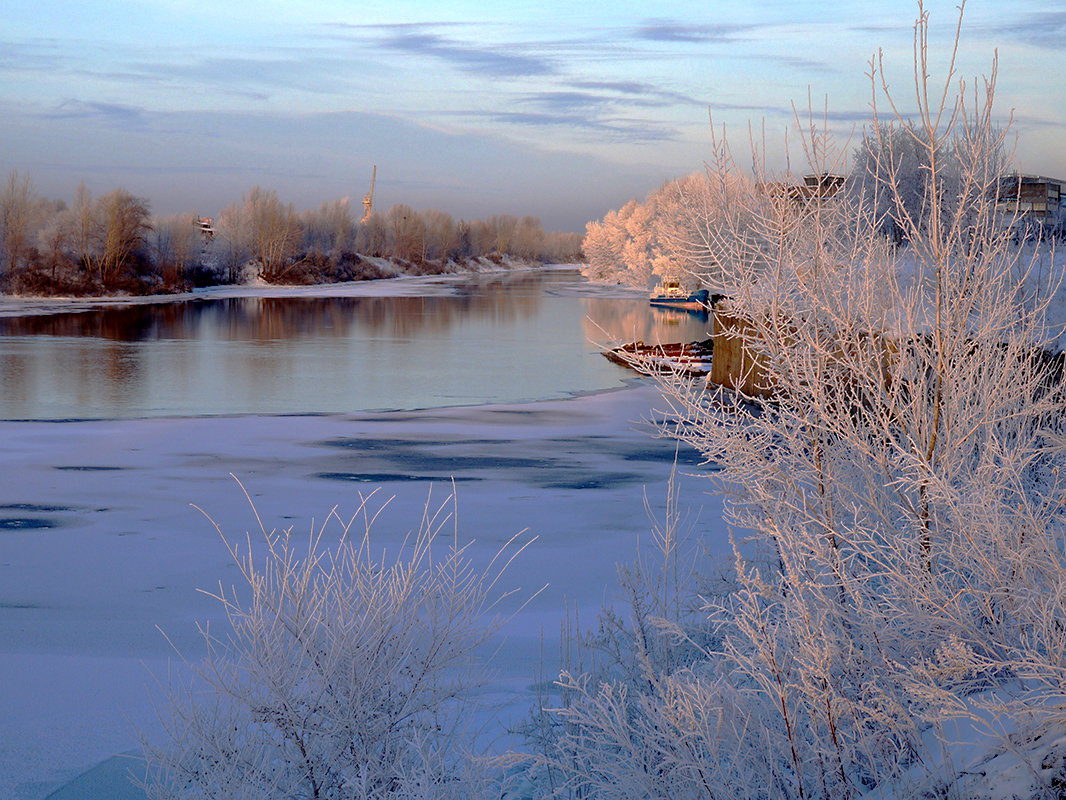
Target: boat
(687,358)
(671,294)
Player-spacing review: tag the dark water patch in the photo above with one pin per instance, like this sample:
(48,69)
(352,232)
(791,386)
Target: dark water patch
(34,508)
(368,444)
(688,456)
(383,445)
(387,477)
(656,451)
(450,464)
(579,479)
(403,454)
(27,523)
(88,468)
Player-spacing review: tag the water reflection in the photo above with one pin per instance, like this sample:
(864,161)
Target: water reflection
(611,322)
(272,319)
(506,339)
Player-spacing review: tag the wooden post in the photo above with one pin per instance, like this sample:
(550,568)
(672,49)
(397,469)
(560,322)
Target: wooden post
(733,365)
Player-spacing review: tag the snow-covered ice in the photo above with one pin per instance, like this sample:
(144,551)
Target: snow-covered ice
(99,543)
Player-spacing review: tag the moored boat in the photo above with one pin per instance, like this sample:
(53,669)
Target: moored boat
(689,358)
(672,295)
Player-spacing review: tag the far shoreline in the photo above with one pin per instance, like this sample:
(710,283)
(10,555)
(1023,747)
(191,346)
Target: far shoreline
(398,285)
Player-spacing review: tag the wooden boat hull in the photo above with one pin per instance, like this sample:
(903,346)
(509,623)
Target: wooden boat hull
(688,358)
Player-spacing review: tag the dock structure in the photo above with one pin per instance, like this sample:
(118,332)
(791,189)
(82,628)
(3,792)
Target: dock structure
(734,365)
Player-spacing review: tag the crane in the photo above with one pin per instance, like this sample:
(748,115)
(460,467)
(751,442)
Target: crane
(368,198)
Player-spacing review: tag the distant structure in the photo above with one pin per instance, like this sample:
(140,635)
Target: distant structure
(207,228)
(1033,205)
(815,190)
(368,198)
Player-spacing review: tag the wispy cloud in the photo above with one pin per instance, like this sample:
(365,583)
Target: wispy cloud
(426,39)
(799,63)
(638,89)
(124,117)
(34,55)
(615,128)
(557,102)
(848,116)
(471,57)
(251,75)
(1039,28)
(683,32)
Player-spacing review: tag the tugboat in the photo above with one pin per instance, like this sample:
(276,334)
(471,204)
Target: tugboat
(671,294)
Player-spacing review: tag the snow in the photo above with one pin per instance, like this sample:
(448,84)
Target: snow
(99,543)
(401,286)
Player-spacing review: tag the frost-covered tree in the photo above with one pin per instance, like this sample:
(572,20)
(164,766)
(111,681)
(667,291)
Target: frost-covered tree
(81,226)
(53,239)
(503,227)
(442,235)
(899,578)
(695,216)
(528,240)
(620,247)
(274,230)
(329,229)
(124,227)
(21,215)
(177,241)
(232,243)
(371,236)
(562,248)
(672,234)
(406,232)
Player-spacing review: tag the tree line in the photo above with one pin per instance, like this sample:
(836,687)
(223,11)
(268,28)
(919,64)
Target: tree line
(112,242)
(678,230)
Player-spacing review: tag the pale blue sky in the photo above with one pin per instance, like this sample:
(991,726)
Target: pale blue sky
(559,109)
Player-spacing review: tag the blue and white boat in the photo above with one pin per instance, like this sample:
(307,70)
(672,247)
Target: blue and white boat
(671,294)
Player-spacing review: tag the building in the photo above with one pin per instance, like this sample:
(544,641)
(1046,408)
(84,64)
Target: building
(1032,204)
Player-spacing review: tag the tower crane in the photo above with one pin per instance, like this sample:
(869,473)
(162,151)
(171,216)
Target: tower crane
(368,198)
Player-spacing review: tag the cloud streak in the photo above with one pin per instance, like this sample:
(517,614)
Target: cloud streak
(1045,29)
(688,33)
(635,88)
(499,62)
(122,117)
(617,129)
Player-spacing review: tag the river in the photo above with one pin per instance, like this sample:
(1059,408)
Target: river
(519,337)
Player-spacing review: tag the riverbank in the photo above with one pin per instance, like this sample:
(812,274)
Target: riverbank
(396,285)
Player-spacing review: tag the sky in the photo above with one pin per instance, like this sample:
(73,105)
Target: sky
(559,108)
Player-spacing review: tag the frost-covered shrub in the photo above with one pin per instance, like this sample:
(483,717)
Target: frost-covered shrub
(342,674)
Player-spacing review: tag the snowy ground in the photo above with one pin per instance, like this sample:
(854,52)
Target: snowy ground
(99,543)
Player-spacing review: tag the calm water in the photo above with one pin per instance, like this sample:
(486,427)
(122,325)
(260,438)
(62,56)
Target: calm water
(523,337)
